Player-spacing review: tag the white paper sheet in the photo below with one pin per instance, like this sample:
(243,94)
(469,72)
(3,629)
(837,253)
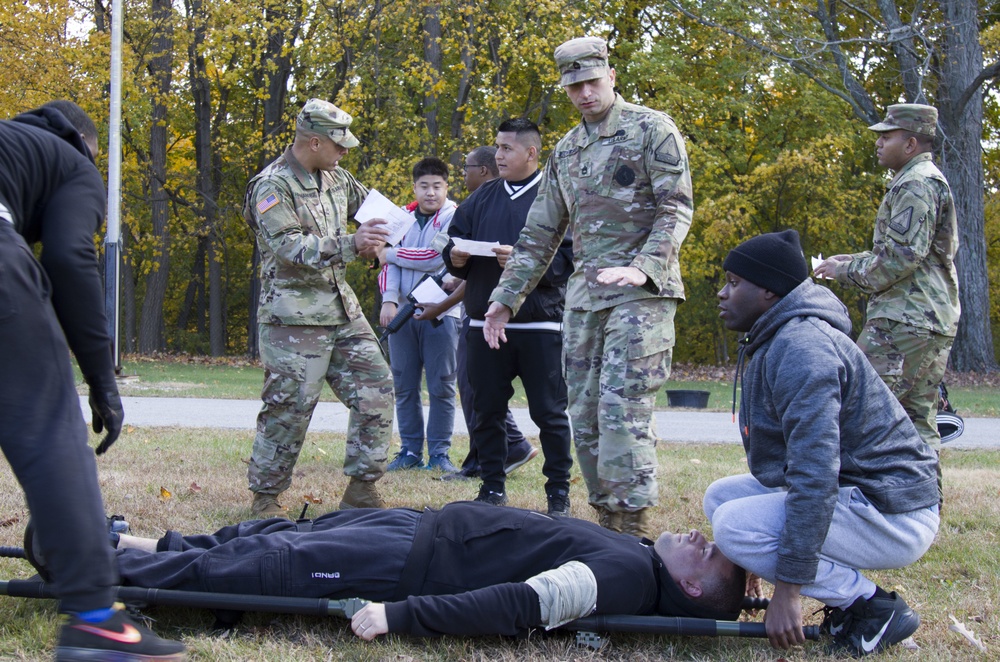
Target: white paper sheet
(377,205)
(816,261)
(481,248)
(428,291)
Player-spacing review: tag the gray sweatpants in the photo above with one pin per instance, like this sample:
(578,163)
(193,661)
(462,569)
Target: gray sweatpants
(748,519)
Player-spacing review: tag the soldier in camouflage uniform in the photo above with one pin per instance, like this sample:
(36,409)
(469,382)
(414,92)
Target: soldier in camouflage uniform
(913,311)
(619,183)
(311,326)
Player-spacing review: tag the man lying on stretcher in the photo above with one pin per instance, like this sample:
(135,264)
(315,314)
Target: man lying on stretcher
(466,569)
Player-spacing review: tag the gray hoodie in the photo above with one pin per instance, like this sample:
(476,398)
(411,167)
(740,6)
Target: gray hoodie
(815,416)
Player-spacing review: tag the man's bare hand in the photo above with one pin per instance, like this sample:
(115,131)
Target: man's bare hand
(430,311)
(371,236)
(370,621)
(459,257)
(503,254)
(828,267)
(622,276)
(387,313)
(783,618)
(496,320)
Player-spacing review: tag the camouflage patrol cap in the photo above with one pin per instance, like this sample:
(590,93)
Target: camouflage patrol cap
(583,58)
(324,118)
(915,117)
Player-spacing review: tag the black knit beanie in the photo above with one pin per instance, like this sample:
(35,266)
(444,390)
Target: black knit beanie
(773,261)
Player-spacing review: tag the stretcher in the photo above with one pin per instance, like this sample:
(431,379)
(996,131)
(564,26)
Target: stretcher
(586,628)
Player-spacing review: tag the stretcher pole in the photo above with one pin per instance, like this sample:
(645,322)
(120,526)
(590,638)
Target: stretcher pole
(676,625)
(236,602)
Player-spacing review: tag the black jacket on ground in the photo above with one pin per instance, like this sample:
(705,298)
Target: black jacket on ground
(495,213)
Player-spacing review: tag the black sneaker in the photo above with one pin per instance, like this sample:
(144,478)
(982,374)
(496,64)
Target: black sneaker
(558,503)
(875,624)
(518,456)
(491,497)
(118,638)
(835,620)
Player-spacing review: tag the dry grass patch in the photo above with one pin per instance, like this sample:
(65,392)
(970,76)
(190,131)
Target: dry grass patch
(195,481)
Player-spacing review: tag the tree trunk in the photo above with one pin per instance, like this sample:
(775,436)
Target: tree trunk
(151,336)
(196,282)
(208,190)
(962,164)
(274,74)
(432,56)
(128,295)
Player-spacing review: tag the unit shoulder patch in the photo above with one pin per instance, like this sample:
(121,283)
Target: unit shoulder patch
(900,223)
(667,151)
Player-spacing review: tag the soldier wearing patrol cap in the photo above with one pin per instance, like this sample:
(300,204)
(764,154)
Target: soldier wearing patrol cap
(311,326)
(910,274)
(619,183)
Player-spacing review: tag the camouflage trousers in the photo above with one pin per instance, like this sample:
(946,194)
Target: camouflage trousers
(911,361)
(615,361)
(297,361)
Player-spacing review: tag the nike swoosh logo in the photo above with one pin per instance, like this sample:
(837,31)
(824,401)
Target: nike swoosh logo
(128,635)
(869,646)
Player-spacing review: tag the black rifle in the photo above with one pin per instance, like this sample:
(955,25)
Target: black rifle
(409,309)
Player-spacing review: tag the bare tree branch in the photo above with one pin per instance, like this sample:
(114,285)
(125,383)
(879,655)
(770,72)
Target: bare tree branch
(988,73)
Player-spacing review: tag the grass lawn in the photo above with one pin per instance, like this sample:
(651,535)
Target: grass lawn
(242,380)
(194,481)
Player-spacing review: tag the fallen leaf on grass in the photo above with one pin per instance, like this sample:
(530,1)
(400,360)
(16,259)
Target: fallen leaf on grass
(308,498)
(10,522)
(970,636)
(194,487)
(909,644)
(165,494)
(695,461)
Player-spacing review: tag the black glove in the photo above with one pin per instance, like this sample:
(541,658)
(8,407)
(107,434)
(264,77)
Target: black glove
(106,412)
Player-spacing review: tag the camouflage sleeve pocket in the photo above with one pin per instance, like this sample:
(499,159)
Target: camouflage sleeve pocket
(274,209)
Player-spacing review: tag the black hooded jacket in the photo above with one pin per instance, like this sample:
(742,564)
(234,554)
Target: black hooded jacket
(56,196)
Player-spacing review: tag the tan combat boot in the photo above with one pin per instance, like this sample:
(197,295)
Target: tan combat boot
(266,506)
(637,524)
(609,519)
(361,494)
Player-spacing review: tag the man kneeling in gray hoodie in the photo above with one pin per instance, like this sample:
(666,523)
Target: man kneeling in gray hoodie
(839,478)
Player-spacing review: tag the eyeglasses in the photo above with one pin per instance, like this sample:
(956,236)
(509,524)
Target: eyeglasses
(466,166)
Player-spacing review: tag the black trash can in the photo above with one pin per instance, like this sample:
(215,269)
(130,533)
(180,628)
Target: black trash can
(692,399)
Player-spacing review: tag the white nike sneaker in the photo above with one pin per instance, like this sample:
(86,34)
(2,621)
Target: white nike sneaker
(875,624)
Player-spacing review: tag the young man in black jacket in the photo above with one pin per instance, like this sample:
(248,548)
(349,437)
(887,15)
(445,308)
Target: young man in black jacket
(448,571)
(51,192)
(496,212)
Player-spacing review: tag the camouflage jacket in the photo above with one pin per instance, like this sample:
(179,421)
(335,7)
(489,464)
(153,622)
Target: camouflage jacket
(300,220)
(910,271)
(623,191)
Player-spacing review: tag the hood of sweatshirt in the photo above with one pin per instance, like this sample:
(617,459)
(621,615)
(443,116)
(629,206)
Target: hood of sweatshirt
(806,300)
(51,120)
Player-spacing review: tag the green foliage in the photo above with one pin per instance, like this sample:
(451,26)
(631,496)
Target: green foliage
(768,149)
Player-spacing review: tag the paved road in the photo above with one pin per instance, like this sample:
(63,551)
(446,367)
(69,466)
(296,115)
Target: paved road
(673,425)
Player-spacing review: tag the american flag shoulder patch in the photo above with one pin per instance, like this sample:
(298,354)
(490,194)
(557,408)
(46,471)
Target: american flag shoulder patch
(267,203)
